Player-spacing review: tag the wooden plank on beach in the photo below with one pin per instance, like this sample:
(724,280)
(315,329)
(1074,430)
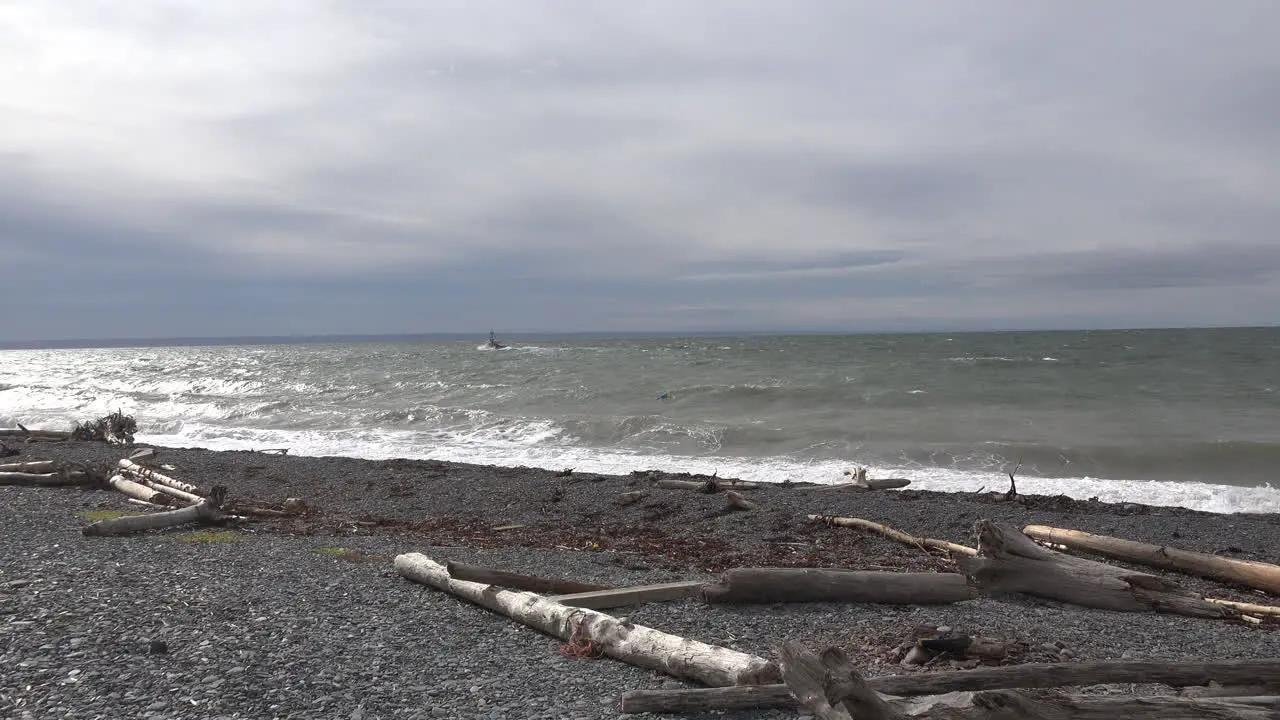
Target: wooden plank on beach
(634,595)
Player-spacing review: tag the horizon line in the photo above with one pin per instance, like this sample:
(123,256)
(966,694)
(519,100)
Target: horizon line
(406,337)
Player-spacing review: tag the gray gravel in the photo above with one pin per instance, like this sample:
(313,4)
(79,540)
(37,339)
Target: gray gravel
(274,626)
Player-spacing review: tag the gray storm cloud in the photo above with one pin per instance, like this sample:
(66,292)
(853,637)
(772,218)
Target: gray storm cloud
(666,166)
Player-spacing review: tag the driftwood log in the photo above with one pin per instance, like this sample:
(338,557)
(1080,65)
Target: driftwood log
(501,578)
(634,644)
(1258,575)
(965,646)
(183,495)
(1010,562)
(45,479)
(1260,674)
(735,501)
(1248,608)
(631,498)
(711,485)
(898,535)
(33,466)
(138,491)
(205,511)
(22,432)
(147,473)
(770,585)
(862,485)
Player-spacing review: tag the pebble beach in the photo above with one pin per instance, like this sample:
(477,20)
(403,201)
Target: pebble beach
(306,618)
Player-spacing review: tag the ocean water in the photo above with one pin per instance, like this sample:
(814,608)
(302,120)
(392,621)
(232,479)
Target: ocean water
(1176,417)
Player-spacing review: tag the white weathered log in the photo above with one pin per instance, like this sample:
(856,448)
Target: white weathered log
(43,479)
(152,475)
(183,495)
(634,644)
(1259,575)
(33,466)
(1248,608)
(205,511)
(138,491)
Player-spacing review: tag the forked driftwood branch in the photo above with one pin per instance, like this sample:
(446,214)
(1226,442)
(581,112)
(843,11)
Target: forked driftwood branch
(1258,575)
(1011,562)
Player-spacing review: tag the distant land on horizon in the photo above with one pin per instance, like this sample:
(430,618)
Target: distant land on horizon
(89,343)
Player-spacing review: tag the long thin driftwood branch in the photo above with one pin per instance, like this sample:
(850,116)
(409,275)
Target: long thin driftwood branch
(892,534)
(515,581)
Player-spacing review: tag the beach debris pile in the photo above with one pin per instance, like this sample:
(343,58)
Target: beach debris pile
(115,429)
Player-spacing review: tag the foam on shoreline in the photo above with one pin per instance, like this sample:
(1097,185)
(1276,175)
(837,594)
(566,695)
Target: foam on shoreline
(382,446)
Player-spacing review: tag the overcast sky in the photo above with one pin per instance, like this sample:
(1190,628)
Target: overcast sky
(249,167)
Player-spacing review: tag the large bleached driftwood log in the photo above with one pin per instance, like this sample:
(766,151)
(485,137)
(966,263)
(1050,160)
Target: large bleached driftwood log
(1260,673)
(474,573)
(770,585)
(634,644)
(47,479)
(898,535)
(1259,575)
(205,511)
(1010,562)
(138,491)
(148,474)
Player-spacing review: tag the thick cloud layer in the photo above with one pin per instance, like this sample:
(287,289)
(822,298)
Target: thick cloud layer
(238,168)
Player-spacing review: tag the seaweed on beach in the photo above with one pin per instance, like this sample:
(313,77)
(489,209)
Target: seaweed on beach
(114,428)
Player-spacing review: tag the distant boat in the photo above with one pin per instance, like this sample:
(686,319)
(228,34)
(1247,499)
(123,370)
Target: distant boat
(493,342)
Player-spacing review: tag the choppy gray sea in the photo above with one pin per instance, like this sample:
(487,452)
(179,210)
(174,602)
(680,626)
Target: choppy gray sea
(1189,417)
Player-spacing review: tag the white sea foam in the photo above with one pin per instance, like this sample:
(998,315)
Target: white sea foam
(531,446)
